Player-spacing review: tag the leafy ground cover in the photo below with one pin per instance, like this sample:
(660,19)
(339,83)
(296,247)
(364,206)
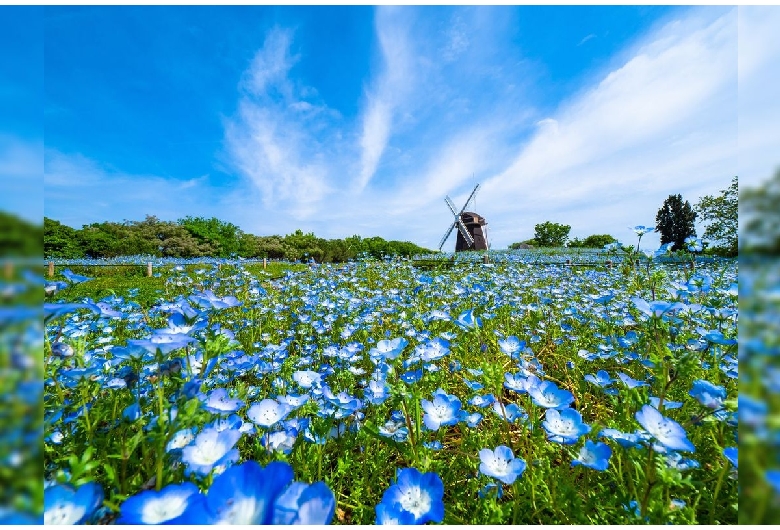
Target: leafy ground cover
(512,392)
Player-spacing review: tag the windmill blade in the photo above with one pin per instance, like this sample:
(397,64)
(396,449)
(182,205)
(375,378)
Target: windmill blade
(444,239)
(464,232)
(450,204)
(469,199)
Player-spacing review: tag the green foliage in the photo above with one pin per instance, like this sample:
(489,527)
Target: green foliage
(549,234)
(761,217)
(193,237)
(592,241)
(722,212)
(223,237)
(675,221)
(18,238)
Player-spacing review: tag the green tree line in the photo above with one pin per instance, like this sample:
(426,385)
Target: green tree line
(193,237)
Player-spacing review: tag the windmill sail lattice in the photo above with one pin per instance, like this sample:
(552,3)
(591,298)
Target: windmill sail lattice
(469,225)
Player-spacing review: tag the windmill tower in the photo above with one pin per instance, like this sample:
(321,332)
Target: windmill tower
(469,224)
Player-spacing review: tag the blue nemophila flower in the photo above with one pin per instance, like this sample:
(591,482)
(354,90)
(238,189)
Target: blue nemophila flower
(667,431)
(472,420)
(511,345)
(157,507)
(417,493)
(667,405)
(433,349)
(180,440)
(520,383)
(268,412)
(501,464)
(164,343)
(508,411)
(387,514)
(693,243)
(443,410)
(395,429)
(548,395)
(468,321)
(132,412)
(593,455)
(62,504)
(731,455)
(304,504)
(208,300)
(282,441)
(377,391)
(52,311)
(243,494)
(473,385)
(630,382)
(709,395)
(717,337)
(62,350)
(387,349)
(210,449)
(601,378)
(412,376)
(564,426)
(678,461)
(219,402)
(74,278)
(657,308)
(307,378)
(482,401)
(434,445)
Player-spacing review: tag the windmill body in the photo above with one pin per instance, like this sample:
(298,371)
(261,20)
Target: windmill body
(471,235)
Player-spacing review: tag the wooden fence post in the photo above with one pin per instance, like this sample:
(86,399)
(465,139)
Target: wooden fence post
(568,262)
(609,263)
(264,263)
(149,269)
(51,269)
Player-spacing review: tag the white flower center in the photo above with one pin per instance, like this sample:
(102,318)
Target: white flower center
(162,509)
(499,465)
(63,513)
(415,500)
(208,451)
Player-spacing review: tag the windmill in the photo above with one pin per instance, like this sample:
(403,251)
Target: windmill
(469,224)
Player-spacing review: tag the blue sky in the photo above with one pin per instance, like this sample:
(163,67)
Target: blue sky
(345,120)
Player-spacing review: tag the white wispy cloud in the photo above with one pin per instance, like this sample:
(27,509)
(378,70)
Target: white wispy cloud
(388,91)
(663,122)
(272,140)
(759,77)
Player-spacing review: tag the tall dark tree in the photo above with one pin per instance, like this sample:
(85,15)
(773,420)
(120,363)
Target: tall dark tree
(675,221)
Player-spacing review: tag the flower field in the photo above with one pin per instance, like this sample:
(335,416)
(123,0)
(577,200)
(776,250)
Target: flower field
(520,391)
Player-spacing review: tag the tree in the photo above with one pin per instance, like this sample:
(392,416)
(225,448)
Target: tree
(722,212)
(675,221)
(760,226)
(224,237)
(550,234)
(592,241)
